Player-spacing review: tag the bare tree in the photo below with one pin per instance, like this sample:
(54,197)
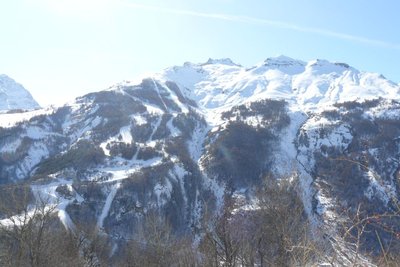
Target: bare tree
(275,233)
(157,245)
(222,243)
(32,235)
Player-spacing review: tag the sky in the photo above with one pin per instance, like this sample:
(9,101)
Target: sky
(61,49)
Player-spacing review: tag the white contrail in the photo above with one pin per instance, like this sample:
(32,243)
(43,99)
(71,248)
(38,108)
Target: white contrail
(258,21)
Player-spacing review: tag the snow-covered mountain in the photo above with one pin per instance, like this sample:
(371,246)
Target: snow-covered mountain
(182,140)
(14,96)
(318,83)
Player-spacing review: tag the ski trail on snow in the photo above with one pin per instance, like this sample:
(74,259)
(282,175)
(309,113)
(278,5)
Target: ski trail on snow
(150,137)
(155,129)
(107,205)
(159,95)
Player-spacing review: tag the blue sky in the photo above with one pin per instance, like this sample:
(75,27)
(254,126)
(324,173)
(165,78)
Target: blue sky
(60,49)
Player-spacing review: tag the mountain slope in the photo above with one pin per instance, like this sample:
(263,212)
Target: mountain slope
(309,85)
(14,96)
(184,140)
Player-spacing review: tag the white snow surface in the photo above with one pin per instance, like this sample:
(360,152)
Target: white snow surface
(14,96)
(218,85)
(377,187)
(107,205)
(37,152)
(286,155)
(11,119)
(47,194)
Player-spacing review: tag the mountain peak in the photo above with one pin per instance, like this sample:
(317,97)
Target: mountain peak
(307,85)
(14,96)
(4,77)
(324,63)
(222,61)
(283,61)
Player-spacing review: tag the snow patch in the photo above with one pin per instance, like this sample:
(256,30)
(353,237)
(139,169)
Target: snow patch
(139,120)
(11,147)
(107,205)
(163,192)
(8,120)
(377,188)
(37,152)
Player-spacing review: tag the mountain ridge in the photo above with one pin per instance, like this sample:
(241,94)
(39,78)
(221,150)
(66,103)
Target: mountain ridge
(282,78)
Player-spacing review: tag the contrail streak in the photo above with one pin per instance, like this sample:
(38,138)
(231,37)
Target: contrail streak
(258,21)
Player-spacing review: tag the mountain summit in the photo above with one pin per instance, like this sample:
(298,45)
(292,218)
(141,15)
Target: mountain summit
(14,96)
(221,84)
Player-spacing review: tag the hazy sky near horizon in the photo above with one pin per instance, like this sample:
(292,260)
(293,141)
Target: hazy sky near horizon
(61,49)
